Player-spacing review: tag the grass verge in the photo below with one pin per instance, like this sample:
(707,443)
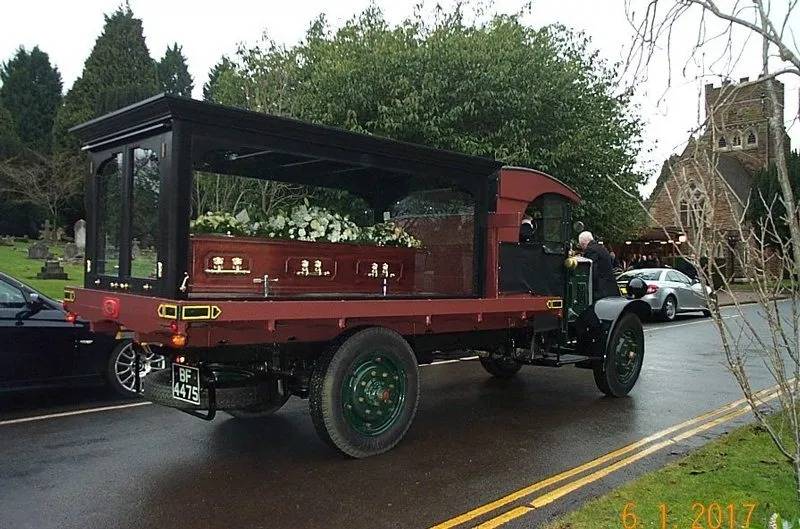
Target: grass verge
(741,468)
(14,262)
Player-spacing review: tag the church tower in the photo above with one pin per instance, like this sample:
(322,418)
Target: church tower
(738,122)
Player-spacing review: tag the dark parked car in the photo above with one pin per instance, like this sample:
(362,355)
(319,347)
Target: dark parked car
(39,347)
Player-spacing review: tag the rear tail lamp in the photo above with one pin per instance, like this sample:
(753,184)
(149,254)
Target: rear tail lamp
(178,340)
(71,317)
(652,289)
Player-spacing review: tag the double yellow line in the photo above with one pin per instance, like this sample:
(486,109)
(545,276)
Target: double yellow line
(632,452)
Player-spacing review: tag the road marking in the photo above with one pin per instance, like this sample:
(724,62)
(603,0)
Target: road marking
(71,413)
(505,518)
(534,487)
(553,495)
(672,326)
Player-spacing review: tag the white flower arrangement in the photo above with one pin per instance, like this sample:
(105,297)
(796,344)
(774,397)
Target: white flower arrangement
(218,222)
(308,223)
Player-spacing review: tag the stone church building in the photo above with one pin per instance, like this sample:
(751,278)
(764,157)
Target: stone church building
(710,181)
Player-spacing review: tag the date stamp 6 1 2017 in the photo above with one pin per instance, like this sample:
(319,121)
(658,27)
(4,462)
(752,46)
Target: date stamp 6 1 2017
(704,516)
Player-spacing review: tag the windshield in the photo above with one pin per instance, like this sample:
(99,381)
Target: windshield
(646,275)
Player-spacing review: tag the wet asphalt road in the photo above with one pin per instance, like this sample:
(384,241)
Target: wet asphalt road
(474,439)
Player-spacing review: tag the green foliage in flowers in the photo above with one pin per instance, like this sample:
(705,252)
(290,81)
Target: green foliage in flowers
(389,234)
(216,222)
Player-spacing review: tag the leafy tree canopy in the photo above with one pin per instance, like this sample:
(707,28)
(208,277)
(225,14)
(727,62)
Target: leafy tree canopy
(119,71)
(31,93)
(173,73)
(533,97)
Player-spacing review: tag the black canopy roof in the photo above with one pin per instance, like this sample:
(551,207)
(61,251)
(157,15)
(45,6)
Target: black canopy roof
(288,149)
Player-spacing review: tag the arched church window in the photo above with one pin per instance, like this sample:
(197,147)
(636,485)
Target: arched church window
(751,139)
(722,143)
(691,206)
(736,141)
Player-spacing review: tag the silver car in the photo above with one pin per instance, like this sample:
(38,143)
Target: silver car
(669,292)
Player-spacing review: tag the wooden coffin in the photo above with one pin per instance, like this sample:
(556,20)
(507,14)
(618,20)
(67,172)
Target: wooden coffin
(241,265)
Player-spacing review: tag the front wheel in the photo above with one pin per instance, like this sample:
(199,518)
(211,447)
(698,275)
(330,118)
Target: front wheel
(364,394)
(622,364)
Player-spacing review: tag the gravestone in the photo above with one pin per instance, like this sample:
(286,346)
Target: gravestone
(80,235)
(71,251)
(136,250)
(52,270)
(45,234)
(7,240)
(38,250)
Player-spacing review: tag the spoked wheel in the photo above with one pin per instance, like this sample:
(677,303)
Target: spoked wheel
(620,369)
(500,366)
(121,373)
(364,394)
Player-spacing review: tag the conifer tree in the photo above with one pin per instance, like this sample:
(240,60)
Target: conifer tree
(119,71)
(173,73)
(31,94)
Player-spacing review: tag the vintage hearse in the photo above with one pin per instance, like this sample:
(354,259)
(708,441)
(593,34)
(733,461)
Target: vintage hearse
(254,319)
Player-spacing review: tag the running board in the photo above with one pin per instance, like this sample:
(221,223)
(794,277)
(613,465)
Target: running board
(565,360)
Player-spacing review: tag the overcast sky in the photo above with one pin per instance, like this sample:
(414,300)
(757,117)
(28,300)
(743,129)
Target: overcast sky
(207,30)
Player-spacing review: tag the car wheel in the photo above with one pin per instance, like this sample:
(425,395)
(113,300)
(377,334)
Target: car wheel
(620,369)
(364,394)
(120,371)
(669,309)
(500,367)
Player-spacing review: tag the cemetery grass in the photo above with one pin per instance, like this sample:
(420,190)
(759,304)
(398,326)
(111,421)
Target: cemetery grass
(14,262)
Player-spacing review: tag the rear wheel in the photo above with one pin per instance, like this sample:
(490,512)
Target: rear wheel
(364,394)
(622,364)
(669,309)
(500,366)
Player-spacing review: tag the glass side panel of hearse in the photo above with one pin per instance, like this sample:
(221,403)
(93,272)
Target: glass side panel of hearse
(124,247)
(266,223)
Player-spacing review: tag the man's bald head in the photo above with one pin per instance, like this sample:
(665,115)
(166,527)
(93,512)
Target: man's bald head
(584,239)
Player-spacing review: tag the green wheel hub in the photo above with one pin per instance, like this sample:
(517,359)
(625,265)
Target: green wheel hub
(627,354)
(373,394)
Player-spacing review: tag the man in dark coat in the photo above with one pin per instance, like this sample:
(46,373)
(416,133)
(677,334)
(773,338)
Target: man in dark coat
(526,230)
(603,283)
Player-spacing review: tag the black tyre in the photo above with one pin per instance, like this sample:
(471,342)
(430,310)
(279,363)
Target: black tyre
(364,394)
(706,313)
(622,364)
(231,393)
(499,366)
(669,309)
(120,368)
(257,412)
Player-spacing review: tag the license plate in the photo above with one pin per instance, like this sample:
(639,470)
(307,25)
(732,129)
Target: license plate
(186,383)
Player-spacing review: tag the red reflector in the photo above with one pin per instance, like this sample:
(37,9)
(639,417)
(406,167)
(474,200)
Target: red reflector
(173,326)
(652,289)
(111,308)
(71,317)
